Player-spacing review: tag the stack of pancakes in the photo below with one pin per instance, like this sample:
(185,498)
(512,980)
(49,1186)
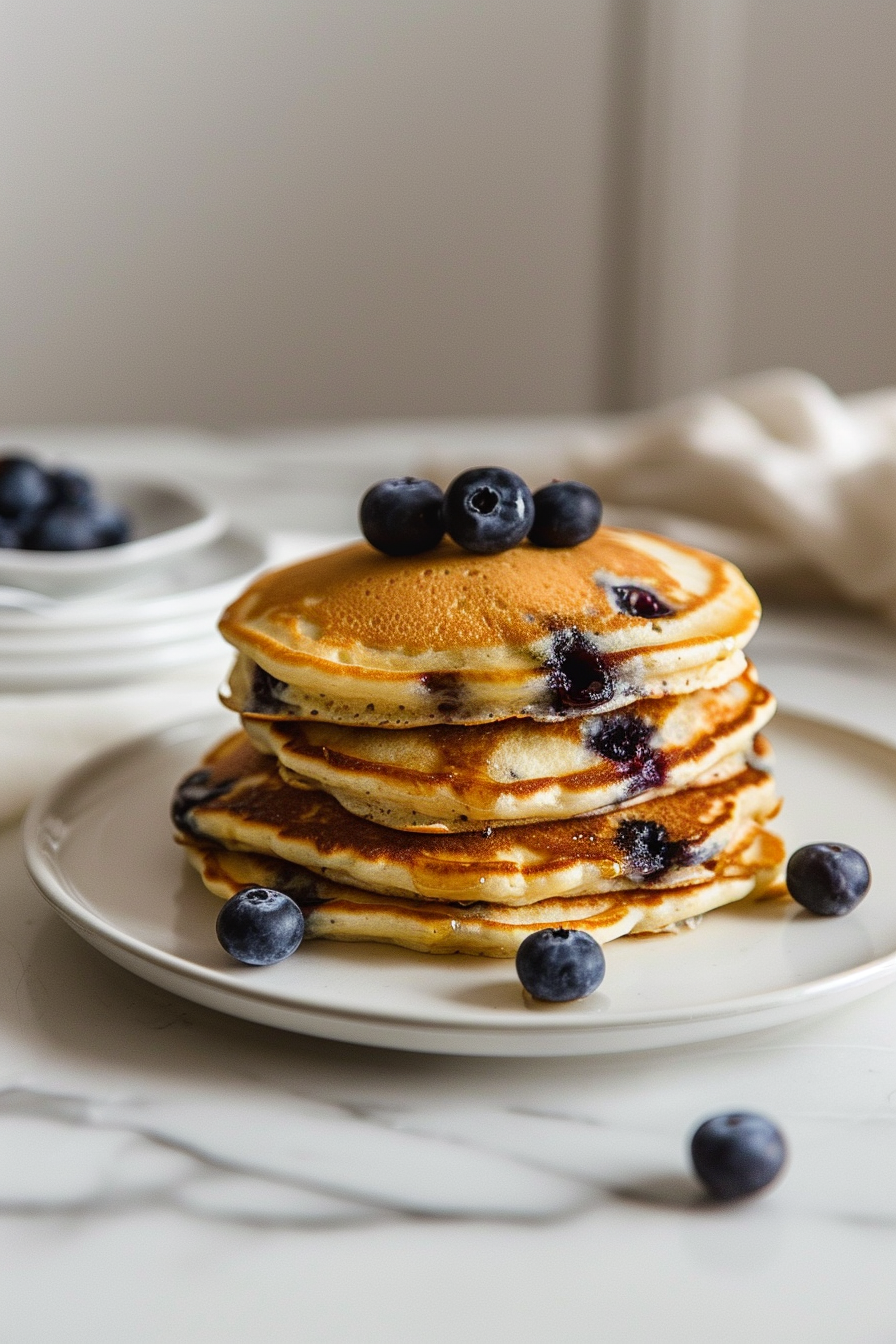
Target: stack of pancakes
(450,751)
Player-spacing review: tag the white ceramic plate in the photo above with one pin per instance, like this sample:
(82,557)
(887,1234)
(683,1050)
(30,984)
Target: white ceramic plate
(167,520)
(99,846)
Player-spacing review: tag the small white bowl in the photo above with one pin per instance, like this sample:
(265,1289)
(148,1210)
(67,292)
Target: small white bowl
(167,520)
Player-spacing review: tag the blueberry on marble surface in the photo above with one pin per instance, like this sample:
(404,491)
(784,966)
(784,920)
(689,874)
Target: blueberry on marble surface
(259,926)
(25,488)
(737,1155)
(566,514)
(403,516)
(488,510)
(560,965)
(641,602)
(828,879)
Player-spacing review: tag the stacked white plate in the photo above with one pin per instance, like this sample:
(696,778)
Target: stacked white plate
(134,620)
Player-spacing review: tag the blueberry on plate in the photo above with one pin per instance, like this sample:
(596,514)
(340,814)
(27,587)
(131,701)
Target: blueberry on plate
(25,488)
(566,513)
(559,965)
(259,926)
(828,879)
(68,527)
(736,1155)
(403,516)
(488,510)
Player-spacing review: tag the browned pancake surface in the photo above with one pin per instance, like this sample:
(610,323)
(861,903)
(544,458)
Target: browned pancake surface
(448,599)
(457,778)
(749,867)
(239,801)
(359,637)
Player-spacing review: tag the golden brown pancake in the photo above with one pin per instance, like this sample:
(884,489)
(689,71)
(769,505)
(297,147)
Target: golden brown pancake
(238,801)
(459,778)
(356,637)
(750,867)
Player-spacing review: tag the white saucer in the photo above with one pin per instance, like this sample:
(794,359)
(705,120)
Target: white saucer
(164,620)
(198,582)
(167,519)
(99,846)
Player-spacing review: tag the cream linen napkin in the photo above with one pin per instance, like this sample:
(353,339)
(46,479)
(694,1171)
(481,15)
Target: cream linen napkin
(774,471)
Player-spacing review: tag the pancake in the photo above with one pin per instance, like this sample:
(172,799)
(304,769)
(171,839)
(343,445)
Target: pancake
(238,801)
(356,637)
(751,867)
(457,778)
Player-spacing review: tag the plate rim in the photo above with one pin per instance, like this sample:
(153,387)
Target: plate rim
(83,919)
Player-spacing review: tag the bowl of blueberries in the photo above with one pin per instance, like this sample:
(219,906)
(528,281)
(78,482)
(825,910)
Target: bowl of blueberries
(64,533)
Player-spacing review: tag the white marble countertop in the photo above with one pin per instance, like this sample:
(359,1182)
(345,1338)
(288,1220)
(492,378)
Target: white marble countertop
(167,1173)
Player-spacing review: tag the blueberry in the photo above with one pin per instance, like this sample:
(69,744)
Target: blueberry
(577,674)
(566,513)
(736,1155)
(72,487)
(112,525)
(25,487)
(403,516)
(828,879)
(647,846)
(10,536)
(559,965)
(639,602)
(488,510)
(259,926)
(68,527)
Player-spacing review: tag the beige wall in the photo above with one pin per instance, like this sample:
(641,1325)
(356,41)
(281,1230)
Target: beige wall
(263,211)
(267,210)
(815,254)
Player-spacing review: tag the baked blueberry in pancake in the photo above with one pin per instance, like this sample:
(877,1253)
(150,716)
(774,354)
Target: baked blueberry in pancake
(674,839)
(448,637)
(458,778)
